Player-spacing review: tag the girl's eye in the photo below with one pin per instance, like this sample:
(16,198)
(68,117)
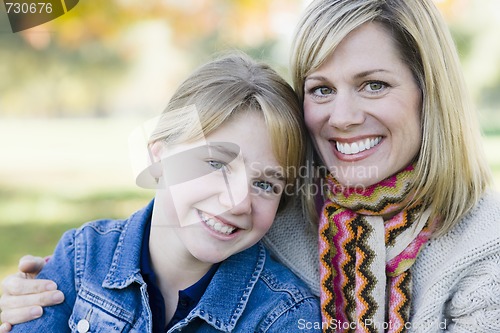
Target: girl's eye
(264,186)
(216,165)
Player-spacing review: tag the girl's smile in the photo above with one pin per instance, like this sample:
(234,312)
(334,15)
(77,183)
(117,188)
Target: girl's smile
(231,205)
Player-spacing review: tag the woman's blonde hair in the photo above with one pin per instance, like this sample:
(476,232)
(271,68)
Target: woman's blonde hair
(231,84)
(451,168)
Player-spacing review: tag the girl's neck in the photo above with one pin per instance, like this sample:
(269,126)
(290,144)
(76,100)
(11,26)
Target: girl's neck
(174,270)
(173,264)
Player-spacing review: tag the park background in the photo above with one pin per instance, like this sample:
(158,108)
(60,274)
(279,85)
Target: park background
(73,89)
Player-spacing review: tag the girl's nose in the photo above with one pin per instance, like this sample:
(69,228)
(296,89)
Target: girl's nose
(236,195)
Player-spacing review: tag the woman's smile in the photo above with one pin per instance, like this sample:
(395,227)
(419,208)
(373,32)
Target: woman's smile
(362,107)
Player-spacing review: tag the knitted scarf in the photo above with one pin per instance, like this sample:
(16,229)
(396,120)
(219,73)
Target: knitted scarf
(364,260)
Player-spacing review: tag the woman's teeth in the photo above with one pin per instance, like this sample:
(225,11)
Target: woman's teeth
(358,146)
(217,226)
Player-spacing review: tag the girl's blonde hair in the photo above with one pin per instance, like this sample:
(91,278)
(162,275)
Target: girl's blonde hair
(451,168)
(226,86)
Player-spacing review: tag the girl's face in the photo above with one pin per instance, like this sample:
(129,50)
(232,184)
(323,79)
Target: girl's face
(221,195)
(362,107)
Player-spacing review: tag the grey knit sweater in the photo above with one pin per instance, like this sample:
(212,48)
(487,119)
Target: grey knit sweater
(456,278)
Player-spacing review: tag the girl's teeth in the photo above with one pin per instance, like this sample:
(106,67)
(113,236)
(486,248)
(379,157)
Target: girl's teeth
(217,226)
(357,147)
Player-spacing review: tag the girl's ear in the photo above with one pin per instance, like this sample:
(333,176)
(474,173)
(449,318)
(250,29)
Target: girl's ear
(155,151)
(150,177)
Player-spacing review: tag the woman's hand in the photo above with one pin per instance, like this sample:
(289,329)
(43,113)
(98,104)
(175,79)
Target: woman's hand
(23,297)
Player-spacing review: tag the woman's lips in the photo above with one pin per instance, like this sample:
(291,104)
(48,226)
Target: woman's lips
(350,148)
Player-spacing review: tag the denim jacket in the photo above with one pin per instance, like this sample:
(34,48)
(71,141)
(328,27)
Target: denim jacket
(97,267)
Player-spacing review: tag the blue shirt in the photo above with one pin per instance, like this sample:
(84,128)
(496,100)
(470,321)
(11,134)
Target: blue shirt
(97,267)
(188,298)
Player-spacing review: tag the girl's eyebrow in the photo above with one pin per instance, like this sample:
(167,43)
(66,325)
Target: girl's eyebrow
(231,150)
(274,173)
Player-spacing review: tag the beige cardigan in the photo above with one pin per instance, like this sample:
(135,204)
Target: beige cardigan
(456,278)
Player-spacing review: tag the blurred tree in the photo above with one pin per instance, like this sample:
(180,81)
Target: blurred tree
(76,64)
(125,56)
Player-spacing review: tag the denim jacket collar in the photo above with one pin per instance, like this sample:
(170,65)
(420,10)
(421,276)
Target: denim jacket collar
(126,266)
(238,274)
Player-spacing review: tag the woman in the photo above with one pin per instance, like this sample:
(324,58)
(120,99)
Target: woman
(406,210)
(396,144)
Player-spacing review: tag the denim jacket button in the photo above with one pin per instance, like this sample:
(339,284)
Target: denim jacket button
(83,326)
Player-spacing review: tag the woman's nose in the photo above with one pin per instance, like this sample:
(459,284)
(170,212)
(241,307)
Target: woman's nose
(345,112)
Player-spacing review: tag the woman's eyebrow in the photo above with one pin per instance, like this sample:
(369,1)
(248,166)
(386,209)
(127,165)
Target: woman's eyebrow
(370,72)
(356,76)
(316,78)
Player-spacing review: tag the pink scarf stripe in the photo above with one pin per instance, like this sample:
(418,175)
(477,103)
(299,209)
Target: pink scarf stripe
(340,260)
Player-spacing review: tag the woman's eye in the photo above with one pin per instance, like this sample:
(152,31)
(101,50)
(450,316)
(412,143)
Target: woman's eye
(322,91)
(375,86)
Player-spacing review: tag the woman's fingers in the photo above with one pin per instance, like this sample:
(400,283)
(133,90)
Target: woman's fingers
(23,298)
(31,265)
(19,309)
(21,315)
(5,327)
(48,298)
(18,284)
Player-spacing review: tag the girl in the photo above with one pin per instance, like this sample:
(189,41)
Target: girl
(191,260)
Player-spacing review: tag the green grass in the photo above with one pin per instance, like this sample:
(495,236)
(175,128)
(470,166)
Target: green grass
(32,221)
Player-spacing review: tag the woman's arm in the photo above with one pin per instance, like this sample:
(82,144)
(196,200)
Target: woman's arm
(23,297)
(475,306)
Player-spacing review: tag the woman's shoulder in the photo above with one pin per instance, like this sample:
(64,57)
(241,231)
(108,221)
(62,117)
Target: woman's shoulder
(482,222)
(475,236)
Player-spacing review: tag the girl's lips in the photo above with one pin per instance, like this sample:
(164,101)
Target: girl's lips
(217,225)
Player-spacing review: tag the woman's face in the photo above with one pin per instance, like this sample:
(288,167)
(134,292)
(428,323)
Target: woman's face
(362,107)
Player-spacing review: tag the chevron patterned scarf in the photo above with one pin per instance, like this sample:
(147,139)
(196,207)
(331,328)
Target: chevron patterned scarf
(364,260)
